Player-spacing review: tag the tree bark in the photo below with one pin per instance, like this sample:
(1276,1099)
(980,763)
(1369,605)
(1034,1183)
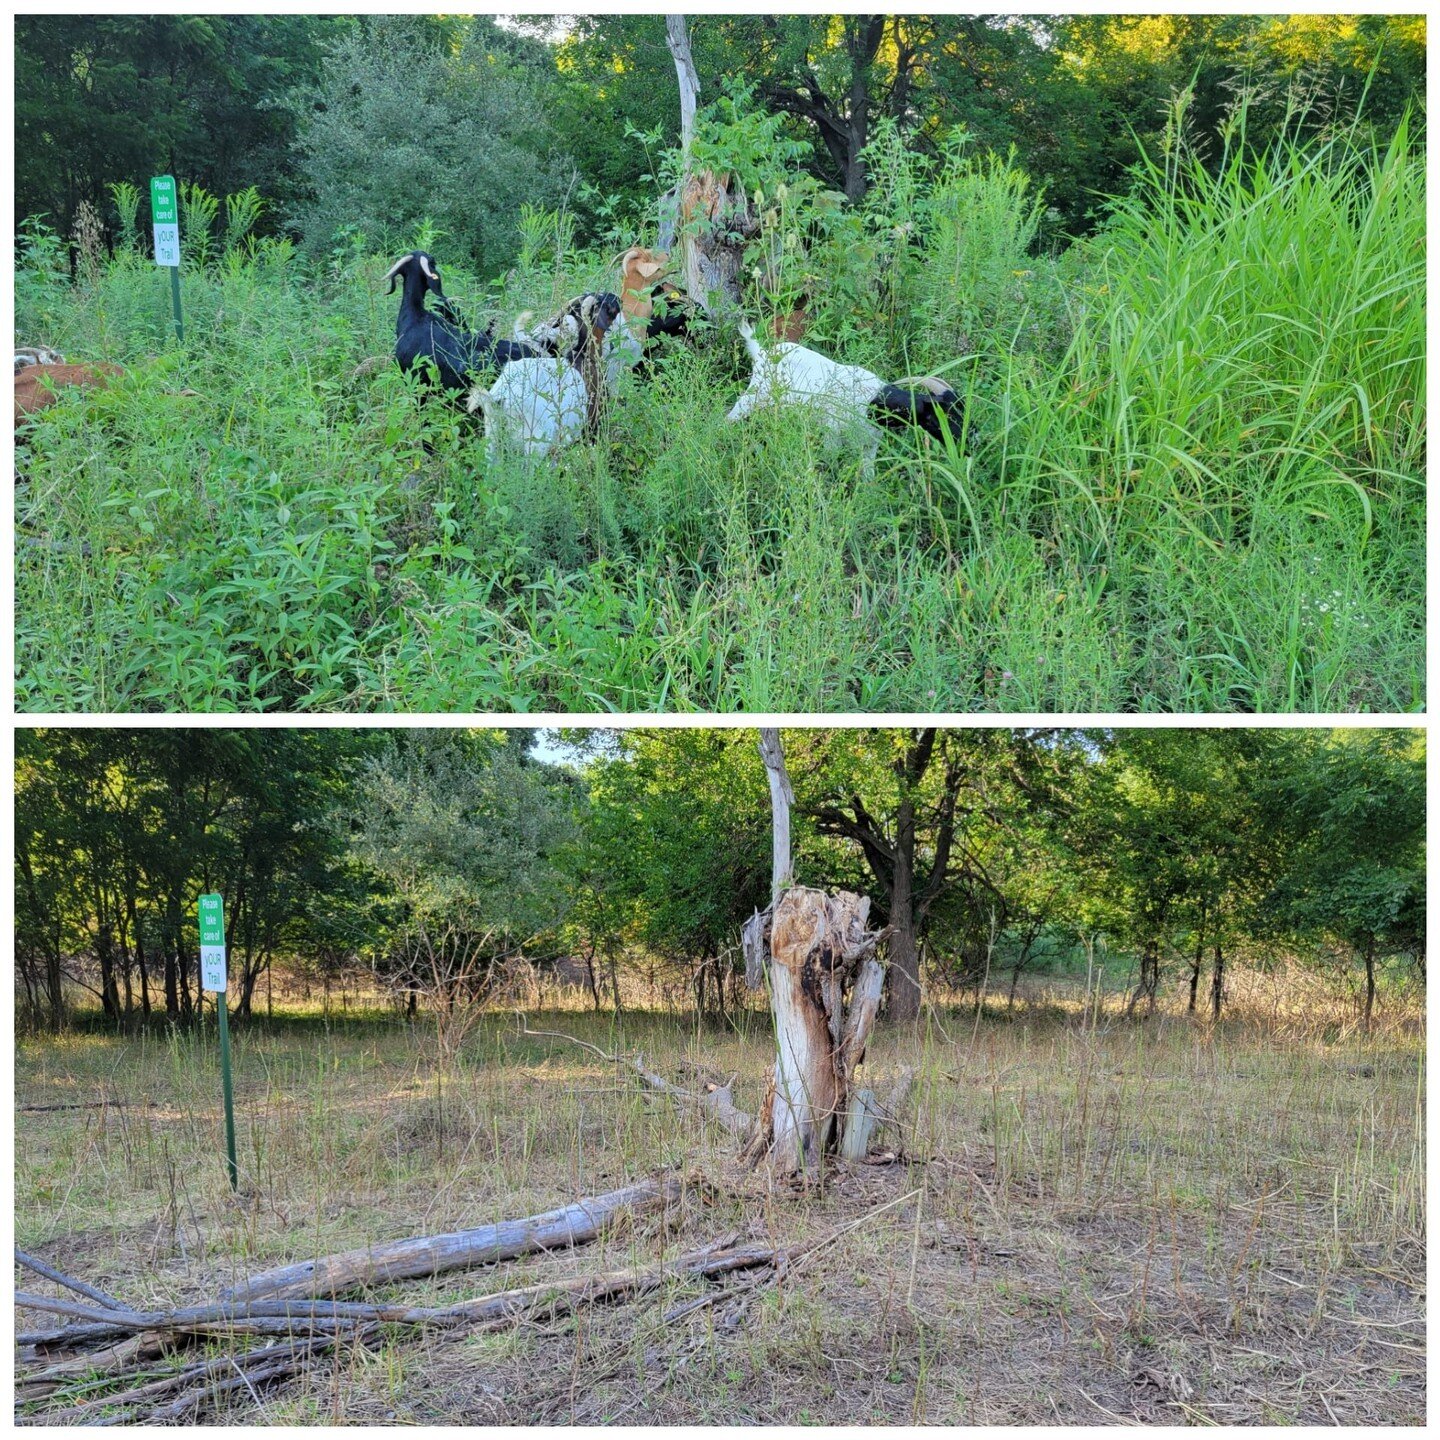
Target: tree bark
(1217,982)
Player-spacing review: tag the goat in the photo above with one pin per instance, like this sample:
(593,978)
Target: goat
(640,289)
(539,404)
(791,374)
(26,355)
(36,386)
(422,334)
(580,334)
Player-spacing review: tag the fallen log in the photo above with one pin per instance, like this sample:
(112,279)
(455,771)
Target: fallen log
(423,1255)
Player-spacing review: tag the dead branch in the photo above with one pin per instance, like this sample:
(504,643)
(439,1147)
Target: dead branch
(421,1255)
(314,1327)
(78,1286)
(716,1099)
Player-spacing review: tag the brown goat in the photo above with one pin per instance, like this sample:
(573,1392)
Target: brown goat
(641,271)
(36,385)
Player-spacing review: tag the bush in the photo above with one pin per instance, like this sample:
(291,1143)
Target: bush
(401,131)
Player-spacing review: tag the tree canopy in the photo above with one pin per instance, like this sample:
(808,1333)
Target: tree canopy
(427,857)
(374,121)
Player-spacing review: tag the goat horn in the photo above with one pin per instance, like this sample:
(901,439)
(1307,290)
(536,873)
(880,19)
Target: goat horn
(395,269)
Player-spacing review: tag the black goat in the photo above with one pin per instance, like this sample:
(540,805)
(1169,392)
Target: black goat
(420,334)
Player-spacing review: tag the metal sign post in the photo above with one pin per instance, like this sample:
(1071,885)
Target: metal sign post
(165,213)
(213,978)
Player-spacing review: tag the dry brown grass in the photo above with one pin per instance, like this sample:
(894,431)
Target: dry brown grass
(1152,1222)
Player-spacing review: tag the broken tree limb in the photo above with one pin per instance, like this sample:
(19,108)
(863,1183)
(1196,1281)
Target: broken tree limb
(315,1327)
(867,1115)
(419,1255)
(108,1302)
(544,1300)
(752,944)
(715,1100)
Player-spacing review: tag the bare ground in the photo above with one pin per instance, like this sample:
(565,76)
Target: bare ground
(1152,1223)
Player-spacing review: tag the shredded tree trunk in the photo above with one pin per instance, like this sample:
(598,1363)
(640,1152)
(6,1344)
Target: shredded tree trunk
(705,221)
(826,980)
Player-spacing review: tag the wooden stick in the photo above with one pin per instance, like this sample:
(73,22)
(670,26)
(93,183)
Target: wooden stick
(78,1286)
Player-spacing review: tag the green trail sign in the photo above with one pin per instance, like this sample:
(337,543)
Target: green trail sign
(211,916)
(165,217)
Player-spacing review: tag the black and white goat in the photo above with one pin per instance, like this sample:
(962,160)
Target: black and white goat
(420,334)
(581,335)
(845,395)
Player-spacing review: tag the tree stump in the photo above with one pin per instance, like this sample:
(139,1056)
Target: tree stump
(825,985)
(705,221)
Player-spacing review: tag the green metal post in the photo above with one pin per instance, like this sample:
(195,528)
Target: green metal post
(229,1090)
(179,335)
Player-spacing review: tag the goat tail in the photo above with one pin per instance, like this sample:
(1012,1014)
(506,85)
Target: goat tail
(521,321)
(752,346)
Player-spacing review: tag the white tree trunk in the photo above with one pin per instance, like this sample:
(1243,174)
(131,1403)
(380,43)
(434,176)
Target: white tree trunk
(782,797)
(821,954)
(678,38)
(702,207)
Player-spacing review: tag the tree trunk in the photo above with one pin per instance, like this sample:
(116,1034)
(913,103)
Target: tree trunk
(1149,978)
(904,946)
(1369,982)
(819,948)
(1198,961)
(1217,983)
(590,978)
(702,220)
(55,990)
(782,797)
(105,953)
(825,984)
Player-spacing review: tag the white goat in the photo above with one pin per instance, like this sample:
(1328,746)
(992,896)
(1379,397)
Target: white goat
(537,405)
(847,396)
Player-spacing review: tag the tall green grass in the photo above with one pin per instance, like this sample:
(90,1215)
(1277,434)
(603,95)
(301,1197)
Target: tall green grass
(1190,477)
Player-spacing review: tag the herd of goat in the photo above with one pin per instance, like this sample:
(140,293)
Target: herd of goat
(551,384)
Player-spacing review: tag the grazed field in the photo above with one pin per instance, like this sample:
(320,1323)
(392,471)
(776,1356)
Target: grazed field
(1150,1223)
